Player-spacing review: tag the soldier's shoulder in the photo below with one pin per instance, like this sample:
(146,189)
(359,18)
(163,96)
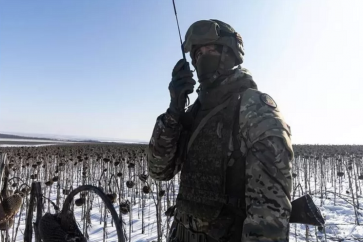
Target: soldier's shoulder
(255,99)
(259,107)
(260,117)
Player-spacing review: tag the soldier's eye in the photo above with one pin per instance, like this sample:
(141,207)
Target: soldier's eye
(198,54)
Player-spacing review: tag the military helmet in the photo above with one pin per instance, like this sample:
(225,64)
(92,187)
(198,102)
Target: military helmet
(213,31)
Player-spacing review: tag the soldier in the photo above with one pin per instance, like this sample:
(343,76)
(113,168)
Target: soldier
(232,146)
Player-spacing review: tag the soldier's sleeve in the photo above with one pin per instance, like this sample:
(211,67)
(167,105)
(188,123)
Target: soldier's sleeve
(161,155)
(269,151)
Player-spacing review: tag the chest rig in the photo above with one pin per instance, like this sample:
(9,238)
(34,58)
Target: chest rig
(213,171)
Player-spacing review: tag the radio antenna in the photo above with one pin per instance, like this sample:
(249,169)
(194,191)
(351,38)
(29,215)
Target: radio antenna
(177,22)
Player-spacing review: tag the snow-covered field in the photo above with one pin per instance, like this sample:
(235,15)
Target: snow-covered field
(339,223)
(336,205)
(9,142)
(6,140)
(96,230)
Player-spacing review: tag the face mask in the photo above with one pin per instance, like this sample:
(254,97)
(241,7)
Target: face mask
(207,65)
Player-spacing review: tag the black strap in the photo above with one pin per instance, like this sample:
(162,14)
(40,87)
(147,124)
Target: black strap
(236,175)
(238,227)
(237,205)
(185,134)
(236,172)
(205,120)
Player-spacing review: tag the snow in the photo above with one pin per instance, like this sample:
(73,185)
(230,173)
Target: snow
(339,222)
(27,145)
(6,142)
(25,140)
(339,214)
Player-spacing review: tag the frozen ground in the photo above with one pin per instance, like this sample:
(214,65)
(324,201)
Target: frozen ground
(336,208)
(340,221)
(5,142)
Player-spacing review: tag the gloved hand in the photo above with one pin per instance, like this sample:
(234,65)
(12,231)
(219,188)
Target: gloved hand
(182,84)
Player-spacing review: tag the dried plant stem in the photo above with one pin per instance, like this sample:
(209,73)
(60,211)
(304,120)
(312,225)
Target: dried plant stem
(36,194)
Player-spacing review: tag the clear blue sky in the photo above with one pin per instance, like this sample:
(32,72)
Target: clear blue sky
(98,68)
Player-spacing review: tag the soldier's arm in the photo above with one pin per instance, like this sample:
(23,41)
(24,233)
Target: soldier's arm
(268,170)
(161,156)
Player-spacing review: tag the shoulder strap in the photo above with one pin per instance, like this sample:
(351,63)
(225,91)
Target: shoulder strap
(235,173)
(186,121)
(236,154)
(236,138)
(205,120)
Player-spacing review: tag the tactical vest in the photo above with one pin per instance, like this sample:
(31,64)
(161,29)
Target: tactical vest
(213,172)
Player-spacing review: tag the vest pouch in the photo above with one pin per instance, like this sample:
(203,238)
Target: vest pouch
(202,192)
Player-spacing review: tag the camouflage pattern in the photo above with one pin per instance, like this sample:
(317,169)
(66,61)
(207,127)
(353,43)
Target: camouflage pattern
(259,120)
(268,168)
(162,148)
(213,31)
(266,145)
(268,187)
(163,164)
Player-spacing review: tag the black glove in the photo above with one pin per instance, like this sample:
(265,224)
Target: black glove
(180,86)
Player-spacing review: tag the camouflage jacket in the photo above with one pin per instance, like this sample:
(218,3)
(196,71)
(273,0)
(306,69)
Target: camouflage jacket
(266,144)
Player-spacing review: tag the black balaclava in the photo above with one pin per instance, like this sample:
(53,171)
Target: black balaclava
(209,67)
